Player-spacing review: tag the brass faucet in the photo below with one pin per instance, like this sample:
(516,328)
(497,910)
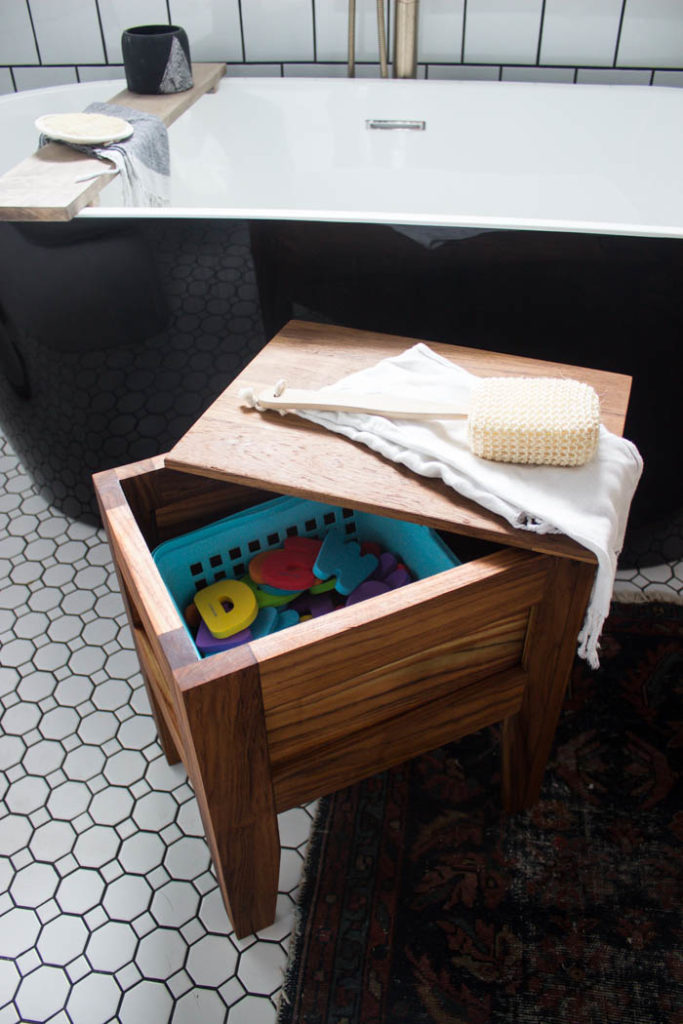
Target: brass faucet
(405,38)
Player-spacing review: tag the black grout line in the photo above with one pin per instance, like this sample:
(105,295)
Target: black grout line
(33,29)
(464,30)
(168,12)
(241,19)
(422,63)
(540,35)
(315,34)
(99,22)
(617,42)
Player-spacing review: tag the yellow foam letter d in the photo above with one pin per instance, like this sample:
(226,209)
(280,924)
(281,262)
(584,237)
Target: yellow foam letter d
(222,621)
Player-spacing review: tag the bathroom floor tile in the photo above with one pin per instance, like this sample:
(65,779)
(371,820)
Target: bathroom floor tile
(111,909)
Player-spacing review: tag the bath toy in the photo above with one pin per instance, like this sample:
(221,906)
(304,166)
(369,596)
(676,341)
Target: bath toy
(269,596)
(227,607)
(207,643)
(345,561)
(192,616)
(322,588)
(398,578)
(313,604)
(387,564)
(366,589)
(370,547)
(284,570)
(254,567)
(306,547)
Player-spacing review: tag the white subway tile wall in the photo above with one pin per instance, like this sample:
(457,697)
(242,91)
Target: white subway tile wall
(441,30)
(580,31)
(538,74)
(6,83)
(278,30)
(652,34)
(42,77)
(213,29)
(17,44)
(118,15)
(332,29)
(465,72)
(44,43)
(67,32)
(503,31)
(612,76)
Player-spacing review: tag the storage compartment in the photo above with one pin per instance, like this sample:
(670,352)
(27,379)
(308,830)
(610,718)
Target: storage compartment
(298,713)
(224,549)
(343,695)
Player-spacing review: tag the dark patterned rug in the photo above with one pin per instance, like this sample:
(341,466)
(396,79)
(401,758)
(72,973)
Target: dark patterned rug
(423,903)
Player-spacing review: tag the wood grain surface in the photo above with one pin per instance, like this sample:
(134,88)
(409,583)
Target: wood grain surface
(289,455)
(44,186)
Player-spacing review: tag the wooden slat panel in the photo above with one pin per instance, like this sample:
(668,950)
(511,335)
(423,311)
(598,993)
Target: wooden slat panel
(297,664)
(399,739)
(44,186)
(301,728)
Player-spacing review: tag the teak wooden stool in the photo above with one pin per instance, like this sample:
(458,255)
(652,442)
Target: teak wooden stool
(303,712)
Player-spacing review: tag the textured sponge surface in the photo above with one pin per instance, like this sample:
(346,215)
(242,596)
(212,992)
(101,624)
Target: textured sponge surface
(534,420)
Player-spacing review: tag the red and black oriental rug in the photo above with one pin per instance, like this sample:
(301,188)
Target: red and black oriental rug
(422,903)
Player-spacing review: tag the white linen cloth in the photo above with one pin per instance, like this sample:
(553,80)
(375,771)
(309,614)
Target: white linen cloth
(588,503)
(142,161)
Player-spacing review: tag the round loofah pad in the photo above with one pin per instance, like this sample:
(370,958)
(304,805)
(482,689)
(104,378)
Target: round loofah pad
(84,129)
(534,420)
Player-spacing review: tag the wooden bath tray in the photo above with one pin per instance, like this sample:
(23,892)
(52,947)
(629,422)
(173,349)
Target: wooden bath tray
(279,721)
(44,187)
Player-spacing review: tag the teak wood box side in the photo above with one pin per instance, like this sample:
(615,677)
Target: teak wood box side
(318,706)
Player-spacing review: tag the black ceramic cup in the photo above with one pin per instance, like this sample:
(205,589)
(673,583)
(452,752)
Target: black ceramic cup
(156,59)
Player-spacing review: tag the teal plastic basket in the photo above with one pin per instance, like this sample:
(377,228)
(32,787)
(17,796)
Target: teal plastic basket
(224,548)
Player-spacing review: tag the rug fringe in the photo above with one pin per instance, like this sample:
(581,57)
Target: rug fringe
(309,875)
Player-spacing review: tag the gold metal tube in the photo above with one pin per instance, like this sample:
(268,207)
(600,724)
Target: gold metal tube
(351,55)
(405,38)
(382,39)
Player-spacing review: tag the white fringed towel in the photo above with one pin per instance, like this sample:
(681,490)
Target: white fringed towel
(588,503)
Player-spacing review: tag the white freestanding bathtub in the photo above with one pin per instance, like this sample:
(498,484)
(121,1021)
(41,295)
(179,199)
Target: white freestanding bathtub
(543,219)
(590,158)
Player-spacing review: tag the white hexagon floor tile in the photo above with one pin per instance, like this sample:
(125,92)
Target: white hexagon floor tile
(109,909)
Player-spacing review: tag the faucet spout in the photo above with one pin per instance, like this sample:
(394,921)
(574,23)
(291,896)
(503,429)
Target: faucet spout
(405,38)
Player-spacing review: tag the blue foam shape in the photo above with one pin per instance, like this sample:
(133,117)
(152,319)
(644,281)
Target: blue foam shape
(343,560)
(266,622)
(286,618)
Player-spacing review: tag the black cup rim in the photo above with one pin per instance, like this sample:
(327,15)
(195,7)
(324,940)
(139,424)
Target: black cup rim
(151,30)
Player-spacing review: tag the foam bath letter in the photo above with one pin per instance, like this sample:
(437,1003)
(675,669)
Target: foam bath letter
(344,561)
(207,643)
(285,570)
(227,607)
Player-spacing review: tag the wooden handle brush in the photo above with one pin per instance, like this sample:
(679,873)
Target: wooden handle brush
(533,420)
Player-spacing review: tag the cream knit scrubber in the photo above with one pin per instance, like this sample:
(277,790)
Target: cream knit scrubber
(540,421)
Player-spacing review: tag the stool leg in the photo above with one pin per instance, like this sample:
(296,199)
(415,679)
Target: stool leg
(550,649)
(227,759)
